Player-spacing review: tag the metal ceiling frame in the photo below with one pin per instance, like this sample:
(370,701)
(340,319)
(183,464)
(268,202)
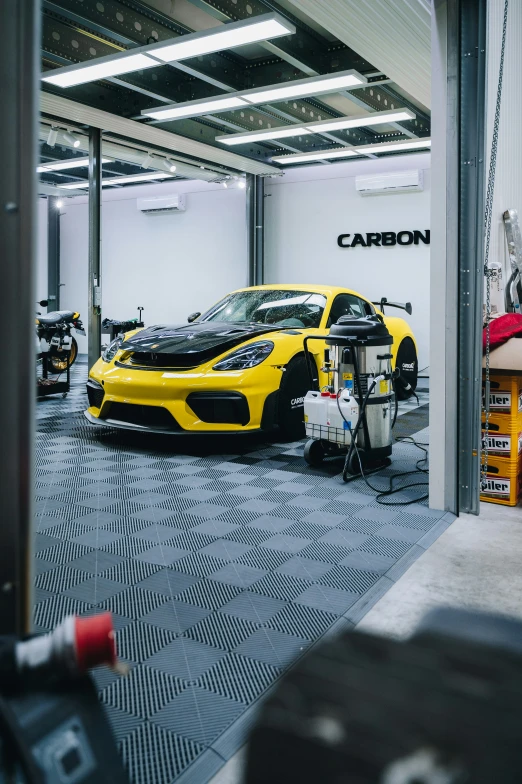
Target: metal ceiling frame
(54,106)
(150,50)
(128,152)
(216,7)
(377,94)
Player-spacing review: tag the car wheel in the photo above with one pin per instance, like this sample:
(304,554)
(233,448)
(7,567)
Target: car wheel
(314,452)
(294,386)
(408,365)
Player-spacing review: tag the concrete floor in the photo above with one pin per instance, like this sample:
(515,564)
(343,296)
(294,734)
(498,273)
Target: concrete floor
(474,564)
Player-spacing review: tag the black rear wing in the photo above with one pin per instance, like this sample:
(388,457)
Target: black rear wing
(402,305)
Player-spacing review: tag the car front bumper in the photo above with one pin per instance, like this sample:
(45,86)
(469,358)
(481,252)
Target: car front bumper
(159,401)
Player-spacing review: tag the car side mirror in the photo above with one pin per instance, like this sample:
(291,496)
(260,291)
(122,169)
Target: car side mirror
(193,317)
(44,303)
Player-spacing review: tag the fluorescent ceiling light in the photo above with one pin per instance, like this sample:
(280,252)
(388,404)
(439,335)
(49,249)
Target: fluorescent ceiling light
(195,108)
(303,87)
(119,180)
(69,164)
(317,127)
(259,136)
(417,144)
(347,152)
(227,36)
(379,118)
(101,68)
(296,89)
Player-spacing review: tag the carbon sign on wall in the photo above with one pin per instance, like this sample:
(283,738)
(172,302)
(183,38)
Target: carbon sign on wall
(383,239)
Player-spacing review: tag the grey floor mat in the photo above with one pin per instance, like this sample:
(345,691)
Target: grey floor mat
(221,561)
(411,422)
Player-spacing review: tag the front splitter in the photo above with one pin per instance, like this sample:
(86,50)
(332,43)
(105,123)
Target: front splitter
(119,425)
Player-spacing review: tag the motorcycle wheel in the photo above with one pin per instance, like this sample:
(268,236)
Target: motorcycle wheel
(57,364)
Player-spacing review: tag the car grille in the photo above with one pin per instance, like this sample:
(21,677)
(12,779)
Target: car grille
(220,407)
(151,417)
(95,394)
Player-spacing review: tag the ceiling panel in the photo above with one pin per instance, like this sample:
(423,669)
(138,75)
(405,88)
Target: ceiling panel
(393,34)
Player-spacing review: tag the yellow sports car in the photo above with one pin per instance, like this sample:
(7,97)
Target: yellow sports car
(237,368)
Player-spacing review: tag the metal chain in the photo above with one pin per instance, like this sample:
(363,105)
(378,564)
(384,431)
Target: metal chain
(488,273)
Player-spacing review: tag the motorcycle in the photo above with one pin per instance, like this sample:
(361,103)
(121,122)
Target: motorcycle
(54,341)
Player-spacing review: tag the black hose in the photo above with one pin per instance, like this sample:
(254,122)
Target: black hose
(381,494)
(396,402)
(356,429)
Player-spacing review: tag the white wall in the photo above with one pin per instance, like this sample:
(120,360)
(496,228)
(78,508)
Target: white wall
(170,264)
(307,210)
(508,180)
(177,263)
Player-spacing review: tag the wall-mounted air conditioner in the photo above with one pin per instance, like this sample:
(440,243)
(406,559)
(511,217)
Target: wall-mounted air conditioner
(174,203)
(390,182)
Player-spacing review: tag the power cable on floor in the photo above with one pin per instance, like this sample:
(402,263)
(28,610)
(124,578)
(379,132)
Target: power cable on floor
(419,469)
(393,490)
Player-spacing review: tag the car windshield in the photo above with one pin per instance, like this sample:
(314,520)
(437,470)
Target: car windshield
(270,306)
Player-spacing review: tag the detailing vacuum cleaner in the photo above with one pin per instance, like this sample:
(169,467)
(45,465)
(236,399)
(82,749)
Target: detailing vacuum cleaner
(353,413)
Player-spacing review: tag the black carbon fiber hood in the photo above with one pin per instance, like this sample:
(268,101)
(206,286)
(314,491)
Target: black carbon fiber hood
(191,344)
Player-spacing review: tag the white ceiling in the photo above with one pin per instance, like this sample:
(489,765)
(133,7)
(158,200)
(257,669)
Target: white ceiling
(393,35)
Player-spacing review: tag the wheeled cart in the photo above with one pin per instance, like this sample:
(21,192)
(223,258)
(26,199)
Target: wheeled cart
(352,415)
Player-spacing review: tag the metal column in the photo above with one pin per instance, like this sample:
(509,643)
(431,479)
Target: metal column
(472,124)
(255,200)
(94,284)
(444,261)
(457,215)
(20,65)
(53,253)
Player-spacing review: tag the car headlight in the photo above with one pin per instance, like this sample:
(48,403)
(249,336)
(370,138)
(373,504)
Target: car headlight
(112,349)
(246,356)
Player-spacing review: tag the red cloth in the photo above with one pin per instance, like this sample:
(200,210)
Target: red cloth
(502,329)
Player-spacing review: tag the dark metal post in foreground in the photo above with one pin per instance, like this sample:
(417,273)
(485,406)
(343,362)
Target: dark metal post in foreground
(94,284)
(20,69)
(472,124)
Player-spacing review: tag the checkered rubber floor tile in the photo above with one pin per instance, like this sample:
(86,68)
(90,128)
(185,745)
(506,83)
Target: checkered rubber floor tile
(221,563)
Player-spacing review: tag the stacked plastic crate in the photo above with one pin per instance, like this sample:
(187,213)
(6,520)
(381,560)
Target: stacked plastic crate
(504,465)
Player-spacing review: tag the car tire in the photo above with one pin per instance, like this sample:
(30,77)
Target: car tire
(408,365)
(314,453)
(295,383)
